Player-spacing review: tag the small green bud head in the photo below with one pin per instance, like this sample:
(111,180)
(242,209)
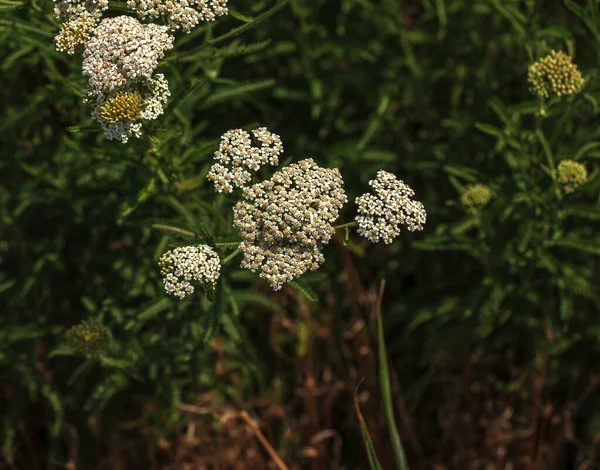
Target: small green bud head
(555,74)
(570,175)
(123,106)
(475,196)
(89,338)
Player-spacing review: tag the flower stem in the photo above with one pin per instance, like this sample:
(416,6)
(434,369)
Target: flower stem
(346,225)
(231,255)
(175,229)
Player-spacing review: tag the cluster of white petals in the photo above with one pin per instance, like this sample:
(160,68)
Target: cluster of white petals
(284,221)
(182,265)
(381,214)
(122,51)
(71,9)
(120,55)
(179,14)
(155,93)
(237,156)
(121,58)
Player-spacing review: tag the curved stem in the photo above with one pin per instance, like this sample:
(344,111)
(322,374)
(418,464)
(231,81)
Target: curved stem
(229,257)
(175,229)
(346,225)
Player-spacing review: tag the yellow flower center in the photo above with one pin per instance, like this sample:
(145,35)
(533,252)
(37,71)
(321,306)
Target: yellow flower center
(124,106)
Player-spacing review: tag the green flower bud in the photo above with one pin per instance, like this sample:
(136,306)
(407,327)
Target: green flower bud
(570,175)
(555,74)
(89,338)
(475,196)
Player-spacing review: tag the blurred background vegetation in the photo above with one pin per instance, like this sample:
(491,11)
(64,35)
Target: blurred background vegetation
(491,316)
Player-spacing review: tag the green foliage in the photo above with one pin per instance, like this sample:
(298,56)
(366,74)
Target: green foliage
(434,91)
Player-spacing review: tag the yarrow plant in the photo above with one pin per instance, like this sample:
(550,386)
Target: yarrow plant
(555,74)
(570,175)
(179,14)
(182,265)
(475,196)
(237,155)
(382,213)
(120,55)
(89,338)
(284,221)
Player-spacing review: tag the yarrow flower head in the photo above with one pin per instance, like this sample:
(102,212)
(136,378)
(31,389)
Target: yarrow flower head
(76,32)
(475,196)
(381,214)
(180,14)
(71,9)
(555,74)
(180,266)
(122,106)
(123,51)
(570,175)
(237,156)
(284,221)
(89,338)
(119,113)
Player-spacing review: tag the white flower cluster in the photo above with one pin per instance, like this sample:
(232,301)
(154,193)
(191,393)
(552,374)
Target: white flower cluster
(154,95)
(381,214)
(123,51)
(285,221)
(71,9)
(120,55)
(189,263)
(121,58)
(180,14)
(237,155)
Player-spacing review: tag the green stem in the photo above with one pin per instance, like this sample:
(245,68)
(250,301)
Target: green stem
(346,225)
(386,391)
(175,229)
(232,255)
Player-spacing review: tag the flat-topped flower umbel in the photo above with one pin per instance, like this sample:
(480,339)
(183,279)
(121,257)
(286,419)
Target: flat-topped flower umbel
(179,14)
(89,338)
(555,74)
(182,265)
(237,155)
(381,214)
(285,221)
(475,196)
(570,175)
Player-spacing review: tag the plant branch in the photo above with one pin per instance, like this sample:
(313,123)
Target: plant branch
(346,225)
(232,255)
(175,229)
(263,440)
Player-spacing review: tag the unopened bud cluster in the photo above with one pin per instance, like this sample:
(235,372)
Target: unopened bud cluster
(570,175)
(555,74)
(237,156)
(284,221)
(180,266)
(89,338)
(383,212)
(179,14)
(120,55)
(475,196)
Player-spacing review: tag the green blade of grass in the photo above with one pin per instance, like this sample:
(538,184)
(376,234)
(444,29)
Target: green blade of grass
(386,391)
(370,448)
